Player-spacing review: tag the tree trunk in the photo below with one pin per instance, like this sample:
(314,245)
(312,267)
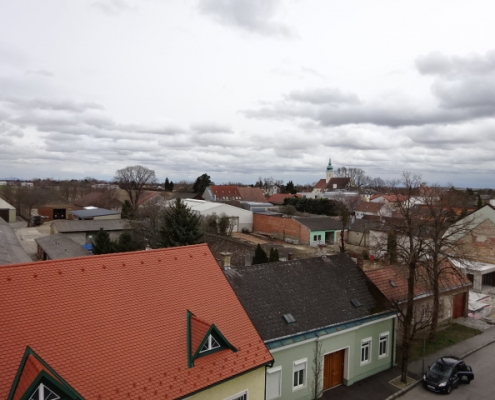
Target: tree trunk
(435,310)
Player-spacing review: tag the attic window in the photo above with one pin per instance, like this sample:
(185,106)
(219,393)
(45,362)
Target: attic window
(356,303)
(288,318)
(43,393)
(210,344)
(392,283)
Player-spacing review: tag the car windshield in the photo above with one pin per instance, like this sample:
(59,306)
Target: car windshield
(441,369)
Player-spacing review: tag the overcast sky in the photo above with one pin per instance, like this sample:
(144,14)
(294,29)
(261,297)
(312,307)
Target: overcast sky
(246,88)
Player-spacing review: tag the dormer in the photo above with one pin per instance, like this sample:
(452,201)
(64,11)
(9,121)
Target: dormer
(203,339)
(36,380)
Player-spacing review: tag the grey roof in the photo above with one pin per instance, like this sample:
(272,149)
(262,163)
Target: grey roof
(94,225)
(93,212)
(316,291)
(60,246)
(5,205)
(320,223)
(11,251)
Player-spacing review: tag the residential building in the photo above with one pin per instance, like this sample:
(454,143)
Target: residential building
(150,324)
(320,303)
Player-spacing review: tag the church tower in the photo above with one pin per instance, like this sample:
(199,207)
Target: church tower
(329,170)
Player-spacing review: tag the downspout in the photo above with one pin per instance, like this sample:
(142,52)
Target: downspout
(392,358)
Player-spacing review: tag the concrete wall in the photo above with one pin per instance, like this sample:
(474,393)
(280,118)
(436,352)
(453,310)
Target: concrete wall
(281,228)
(348,340)
(479,244)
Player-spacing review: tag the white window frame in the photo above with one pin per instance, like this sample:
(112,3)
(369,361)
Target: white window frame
(383,338)
(300,365)
(211,344)
(239,395)
(274,371)
(365,344)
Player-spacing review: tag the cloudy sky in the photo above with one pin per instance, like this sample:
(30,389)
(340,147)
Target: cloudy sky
(246,88)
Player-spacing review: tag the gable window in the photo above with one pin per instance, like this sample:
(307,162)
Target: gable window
(274,383)
(299,374)
(210,344)
(239,396)
(383,345)
(365,351)
(43,393)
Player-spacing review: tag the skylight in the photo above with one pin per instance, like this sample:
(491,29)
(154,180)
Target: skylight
(356,303)
(288,318)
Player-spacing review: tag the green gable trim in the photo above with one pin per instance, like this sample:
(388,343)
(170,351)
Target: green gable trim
(190,361)
(42,377)
(213,330)
(281,342)
(51,383)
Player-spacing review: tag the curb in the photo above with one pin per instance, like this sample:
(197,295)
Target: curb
(410,387)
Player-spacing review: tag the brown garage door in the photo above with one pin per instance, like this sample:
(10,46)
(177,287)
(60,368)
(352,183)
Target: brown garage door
(459,305)
(333,370)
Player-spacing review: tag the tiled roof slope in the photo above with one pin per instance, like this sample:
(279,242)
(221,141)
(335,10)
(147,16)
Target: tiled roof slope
(368,206)
(316,291)
(114,326)
(252,194)
(278,198)
(382,278)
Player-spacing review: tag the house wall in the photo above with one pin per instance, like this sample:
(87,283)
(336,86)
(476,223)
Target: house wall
(324,236)
(350,340)
(281,228)
(113,216)
(253,382)
(480,242)
(358,238)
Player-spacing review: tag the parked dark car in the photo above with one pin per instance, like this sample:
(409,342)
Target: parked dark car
(447,373)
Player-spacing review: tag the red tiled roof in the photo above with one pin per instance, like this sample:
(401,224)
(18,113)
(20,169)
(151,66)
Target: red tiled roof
(383,277)
(279,198)
(321,184)
(114,326)
(225,192)
(31,369)
(251,194)
(368,206)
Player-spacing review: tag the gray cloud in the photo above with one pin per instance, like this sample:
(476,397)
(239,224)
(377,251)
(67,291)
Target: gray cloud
(251,15)
(330,96)
(437,63)
(113,7)
(211,127)
(55,104)
(40,72)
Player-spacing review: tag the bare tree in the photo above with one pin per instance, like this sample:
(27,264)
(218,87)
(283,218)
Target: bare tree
(410,249)
(134,180)
(346,205)
(317,372)
(438,208)
(357,176)
(147,221)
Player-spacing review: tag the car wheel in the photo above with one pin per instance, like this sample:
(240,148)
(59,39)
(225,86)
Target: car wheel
(448,389)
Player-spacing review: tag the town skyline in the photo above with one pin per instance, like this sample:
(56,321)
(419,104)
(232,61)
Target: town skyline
(249,88)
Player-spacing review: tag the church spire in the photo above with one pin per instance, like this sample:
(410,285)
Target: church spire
(329,170)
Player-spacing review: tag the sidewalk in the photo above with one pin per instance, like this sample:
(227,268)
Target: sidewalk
(377,387)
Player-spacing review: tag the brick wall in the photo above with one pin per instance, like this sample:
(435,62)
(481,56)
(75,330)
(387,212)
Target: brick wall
(480,243)
(281,228)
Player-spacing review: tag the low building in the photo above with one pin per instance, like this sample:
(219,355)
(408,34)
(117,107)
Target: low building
(7,211)
(95,213)
(57,246)
(11,250)
(83,232)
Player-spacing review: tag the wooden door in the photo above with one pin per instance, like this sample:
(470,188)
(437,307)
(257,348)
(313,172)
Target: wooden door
(459,305)
(333,369)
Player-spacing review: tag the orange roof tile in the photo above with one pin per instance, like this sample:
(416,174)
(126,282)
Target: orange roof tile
(278,198)
(114,326)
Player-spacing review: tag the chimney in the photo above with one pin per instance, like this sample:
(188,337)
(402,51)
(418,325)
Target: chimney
(290,256)
(225,259)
